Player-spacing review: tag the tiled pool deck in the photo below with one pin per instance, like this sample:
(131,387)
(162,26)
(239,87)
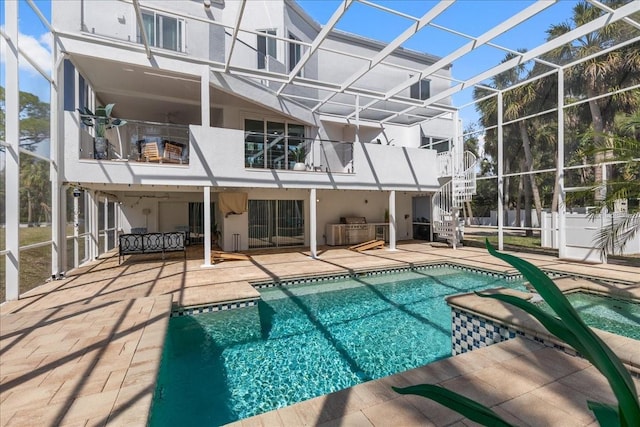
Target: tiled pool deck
(85,350)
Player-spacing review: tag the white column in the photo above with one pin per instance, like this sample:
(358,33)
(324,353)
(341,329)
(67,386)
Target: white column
(205,100)
(57,190)
(105,209)
(206,196)
(562,208)
(313,244)
(94,236)
(12,162)
(500,177)
(62,231)
(76,227)
(357,138)
(116,223)
(392,220)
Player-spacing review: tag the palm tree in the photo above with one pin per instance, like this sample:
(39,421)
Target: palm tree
(598,75)
(625,146)
(518,102)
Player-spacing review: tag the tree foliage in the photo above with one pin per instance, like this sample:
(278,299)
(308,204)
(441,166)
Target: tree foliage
(592,129)
(35,185)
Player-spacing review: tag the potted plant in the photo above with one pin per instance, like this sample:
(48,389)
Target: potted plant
(299,155)
(100,121)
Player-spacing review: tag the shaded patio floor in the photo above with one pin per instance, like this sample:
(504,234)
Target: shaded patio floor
(85,350)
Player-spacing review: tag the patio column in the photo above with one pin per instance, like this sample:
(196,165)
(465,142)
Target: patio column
(105,208)
(500,177)
(205,100)
(562,208)
(94,249)
(58,191)
(12,156)
(392,220)
(206,196)
(357,138)
(76,226)
(313,244)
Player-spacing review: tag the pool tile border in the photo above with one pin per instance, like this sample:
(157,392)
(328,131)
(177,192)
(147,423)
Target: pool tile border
(377,272)
(235,304)
(265,284)
(212,308)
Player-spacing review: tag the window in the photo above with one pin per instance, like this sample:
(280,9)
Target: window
(294,54)
(272,145)
(266,47)
(163,31)
(421,89)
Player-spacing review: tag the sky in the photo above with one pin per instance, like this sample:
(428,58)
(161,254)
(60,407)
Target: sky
(471,17)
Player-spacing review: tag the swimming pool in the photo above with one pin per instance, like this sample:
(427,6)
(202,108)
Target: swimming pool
(617,316)
(303,341)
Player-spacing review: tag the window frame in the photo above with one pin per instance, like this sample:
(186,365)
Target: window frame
(418,89)
(289,140)
(294,52)
(270,44)
(156,37)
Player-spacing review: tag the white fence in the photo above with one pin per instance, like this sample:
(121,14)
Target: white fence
(581,231)
(510,220)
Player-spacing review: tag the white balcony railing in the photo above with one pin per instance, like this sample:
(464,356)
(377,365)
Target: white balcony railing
(267,151)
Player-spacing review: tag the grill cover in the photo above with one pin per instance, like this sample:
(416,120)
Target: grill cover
(353,220)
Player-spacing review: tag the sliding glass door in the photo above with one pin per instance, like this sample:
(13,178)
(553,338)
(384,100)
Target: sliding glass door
(276,223)
(196,222)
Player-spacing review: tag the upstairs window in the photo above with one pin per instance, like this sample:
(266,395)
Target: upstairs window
(295,53)
(421,89)
(163,31)
(266,47)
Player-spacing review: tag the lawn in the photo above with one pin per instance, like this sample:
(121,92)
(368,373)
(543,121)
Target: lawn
(522,241)
(35,264)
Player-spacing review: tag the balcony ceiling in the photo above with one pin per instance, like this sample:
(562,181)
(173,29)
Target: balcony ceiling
(495,32)
(144,93)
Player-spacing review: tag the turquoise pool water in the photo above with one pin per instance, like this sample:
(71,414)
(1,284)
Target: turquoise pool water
(304,341)
(609,314)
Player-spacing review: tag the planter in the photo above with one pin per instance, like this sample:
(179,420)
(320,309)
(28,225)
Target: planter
(299,167)
(100,148)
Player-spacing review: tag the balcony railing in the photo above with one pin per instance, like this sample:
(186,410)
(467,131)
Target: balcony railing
(141,141)
(273,151)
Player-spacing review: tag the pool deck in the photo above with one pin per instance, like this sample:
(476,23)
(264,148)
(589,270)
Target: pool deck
(85,350)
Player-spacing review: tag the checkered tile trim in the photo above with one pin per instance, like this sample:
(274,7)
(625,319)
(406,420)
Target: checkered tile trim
(470,332)
(189,311)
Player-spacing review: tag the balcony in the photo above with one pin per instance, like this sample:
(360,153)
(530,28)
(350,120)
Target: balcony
(295,153)
(140,141)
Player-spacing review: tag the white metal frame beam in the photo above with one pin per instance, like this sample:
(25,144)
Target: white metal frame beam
(234,36)
(315,45)
(12,153)
(473,44)
(145,39)
(391,47)
(576,33)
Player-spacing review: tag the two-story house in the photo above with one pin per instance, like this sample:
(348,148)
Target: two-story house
(250,124)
